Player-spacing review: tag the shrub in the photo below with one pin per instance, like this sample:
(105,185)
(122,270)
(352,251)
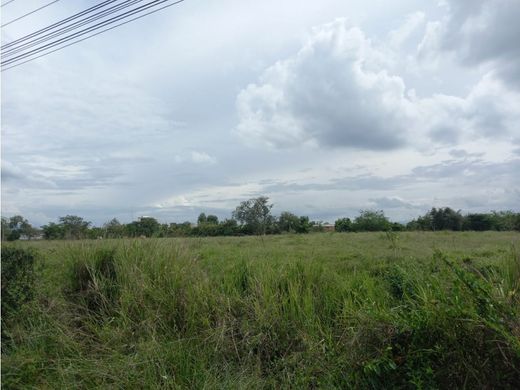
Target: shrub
(93,282)
(343,225)
(17,281)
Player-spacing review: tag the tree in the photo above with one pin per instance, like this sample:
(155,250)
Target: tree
(5,228)
(228,227)
(343,225)
(503,220)
(371,221)
(114,229)
(145,226)
(254,215)
(16,226)
(202,219)
(288,222)
(304,225)
(212,219)
(179,229)
(53,231)
(96,232)
(74,227)
(478,222)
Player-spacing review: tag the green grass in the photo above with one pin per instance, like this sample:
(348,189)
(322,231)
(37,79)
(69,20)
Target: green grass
(356,310)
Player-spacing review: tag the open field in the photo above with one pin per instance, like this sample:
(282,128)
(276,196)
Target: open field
(331,310)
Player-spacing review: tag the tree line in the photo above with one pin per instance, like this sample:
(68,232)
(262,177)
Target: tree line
(254,217)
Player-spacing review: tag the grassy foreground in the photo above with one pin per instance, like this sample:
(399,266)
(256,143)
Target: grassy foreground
(332,310)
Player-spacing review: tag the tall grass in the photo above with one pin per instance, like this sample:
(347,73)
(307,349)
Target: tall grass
(329,311)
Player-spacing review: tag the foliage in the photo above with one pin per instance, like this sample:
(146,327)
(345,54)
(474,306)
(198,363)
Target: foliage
(114,229)
(53,231)
(255,215)
(74,227)
(320,311)
(291,223)
(448,219)
(477,222)
(343,225)
(16,227)
(17,281)
(371,221)
(144,226)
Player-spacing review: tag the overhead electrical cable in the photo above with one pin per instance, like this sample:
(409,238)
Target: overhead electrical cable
(93,35)
(85,31)
(29,13)
(71,27)
(7,2)
(59,23)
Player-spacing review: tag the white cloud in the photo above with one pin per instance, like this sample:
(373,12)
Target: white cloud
(337,91)
(480,32)
(333,92)
(400,35)
(125,122)
(202,158)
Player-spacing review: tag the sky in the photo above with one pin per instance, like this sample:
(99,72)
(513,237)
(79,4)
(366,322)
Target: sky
(327,108)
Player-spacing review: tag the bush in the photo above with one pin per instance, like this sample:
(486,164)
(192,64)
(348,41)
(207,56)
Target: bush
(343,225)
(17,281)
(371,221)
(93,282)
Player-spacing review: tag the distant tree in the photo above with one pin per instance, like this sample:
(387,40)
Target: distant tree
(96,232)
(446,219)
(202,219)
(371,221)
(53,231)
(397,227)
(317,226)
(228,227)
(503,220)
(5,228)
(207,225)
(438,219)
(16,226)
(144,226)
(74,227)
(478,222)
(304,225)
(179,229)
(288,222)
(516,222)
(212,219)
(114,229)
(343,225)
(254,215)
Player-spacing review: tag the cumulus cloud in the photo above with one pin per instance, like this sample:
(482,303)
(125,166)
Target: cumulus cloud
(478,32)
(333,92)
(400,35)
(337,91)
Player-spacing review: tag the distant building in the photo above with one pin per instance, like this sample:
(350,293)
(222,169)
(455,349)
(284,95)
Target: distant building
(327,227)
(37,236)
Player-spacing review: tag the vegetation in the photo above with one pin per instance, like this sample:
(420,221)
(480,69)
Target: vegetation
(448,219)
(16,227)
(254,217)
(364,310)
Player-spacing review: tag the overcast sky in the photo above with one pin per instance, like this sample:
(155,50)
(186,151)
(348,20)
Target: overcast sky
(327,107)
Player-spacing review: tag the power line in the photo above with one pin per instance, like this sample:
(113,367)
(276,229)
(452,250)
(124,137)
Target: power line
(84,31)
(71,27)
(59,23)
(93,35)
(29,13)
(7,2)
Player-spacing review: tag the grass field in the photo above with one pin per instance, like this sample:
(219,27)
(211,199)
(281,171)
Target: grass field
(330,310)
